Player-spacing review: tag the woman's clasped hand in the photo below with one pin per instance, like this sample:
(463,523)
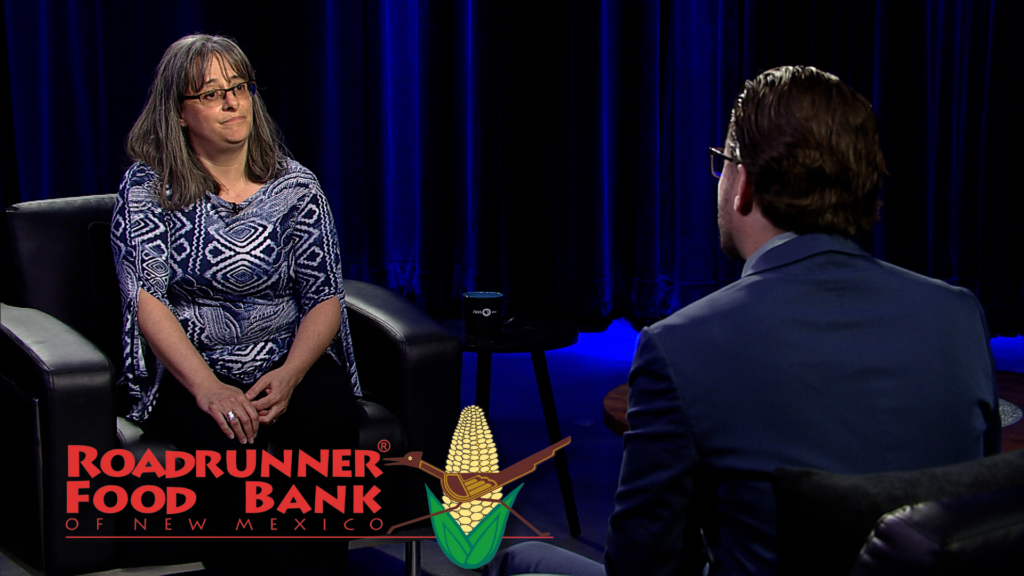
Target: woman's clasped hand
(231,409)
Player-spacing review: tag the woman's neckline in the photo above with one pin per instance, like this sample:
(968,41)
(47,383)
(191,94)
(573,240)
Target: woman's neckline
(237,207)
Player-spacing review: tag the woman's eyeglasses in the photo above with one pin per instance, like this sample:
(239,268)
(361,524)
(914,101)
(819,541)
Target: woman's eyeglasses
(212,97)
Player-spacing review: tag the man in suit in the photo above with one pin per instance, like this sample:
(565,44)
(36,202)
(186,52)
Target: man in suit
(819,356)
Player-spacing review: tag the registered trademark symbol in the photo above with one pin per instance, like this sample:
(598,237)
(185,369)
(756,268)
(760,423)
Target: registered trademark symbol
(383,446)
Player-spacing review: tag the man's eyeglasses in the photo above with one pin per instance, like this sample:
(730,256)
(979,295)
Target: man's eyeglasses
(212,97)
(718,158)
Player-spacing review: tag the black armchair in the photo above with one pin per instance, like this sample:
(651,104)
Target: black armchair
(59,357)
(823,519)
(980,533)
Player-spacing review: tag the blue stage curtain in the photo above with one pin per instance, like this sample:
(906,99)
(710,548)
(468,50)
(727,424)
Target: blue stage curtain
(556,151)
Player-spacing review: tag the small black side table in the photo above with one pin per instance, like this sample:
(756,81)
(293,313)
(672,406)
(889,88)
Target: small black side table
(535,336)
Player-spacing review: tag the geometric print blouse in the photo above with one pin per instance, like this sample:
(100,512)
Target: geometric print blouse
(239,277)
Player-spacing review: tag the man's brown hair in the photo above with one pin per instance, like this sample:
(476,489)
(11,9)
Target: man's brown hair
(810,146)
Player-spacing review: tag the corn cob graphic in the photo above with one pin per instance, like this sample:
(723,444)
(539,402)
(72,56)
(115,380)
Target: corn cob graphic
(472,450)
(472,482)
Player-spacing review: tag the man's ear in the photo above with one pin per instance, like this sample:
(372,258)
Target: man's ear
(743,201)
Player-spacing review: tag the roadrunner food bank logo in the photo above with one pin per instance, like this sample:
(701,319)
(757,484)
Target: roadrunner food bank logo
(471,522)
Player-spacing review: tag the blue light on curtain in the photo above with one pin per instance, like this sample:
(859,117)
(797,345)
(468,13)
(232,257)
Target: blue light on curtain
(553,150)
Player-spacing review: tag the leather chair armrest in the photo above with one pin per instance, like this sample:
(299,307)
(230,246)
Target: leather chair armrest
(62,384)
(380,424)
(408,363)
(979,533)
(48,359)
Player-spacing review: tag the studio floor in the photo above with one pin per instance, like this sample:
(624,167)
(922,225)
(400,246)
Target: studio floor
(581,375)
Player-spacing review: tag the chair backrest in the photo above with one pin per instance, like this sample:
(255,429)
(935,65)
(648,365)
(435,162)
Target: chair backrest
(62,264)
(823,519)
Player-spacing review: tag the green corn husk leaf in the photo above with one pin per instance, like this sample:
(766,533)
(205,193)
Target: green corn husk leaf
(479,546)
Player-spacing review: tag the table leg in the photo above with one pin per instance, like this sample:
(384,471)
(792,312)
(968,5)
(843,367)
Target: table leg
(412,558)
(483,382)
(547,401)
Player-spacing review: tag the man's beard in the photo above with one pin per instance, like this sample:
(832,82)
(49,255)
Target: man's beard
(726,238)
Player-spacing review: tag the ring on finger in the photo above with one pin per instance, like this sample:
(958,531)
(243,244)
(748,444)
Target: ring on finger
(231,416)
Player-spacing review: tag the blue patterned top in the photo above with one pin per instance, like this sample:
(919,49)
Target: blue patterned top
(239,278)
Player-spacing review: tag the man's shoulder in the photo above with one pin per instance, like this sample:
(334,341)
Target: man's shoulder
(814,281)
(716,314)
(956,305)
(799,256)
(922,282)
(725,301)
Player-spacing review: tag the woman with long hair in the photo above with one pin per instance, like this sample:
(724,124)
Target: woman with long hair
(235,330)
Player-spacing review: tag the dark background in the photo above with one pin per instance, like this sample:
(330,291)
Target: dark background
(554,150)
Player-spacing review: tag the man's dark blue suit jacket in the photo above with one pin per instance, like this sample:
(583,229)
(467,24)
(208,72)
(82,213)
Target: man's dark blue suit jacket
(819,357)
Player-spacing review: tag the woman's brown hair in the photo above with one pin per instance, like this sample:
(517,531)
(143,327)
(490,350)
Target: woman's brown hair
(157,139)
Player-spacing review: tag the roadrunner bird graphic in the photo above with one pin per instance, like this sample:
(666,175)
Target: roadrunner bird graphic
(472,482)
